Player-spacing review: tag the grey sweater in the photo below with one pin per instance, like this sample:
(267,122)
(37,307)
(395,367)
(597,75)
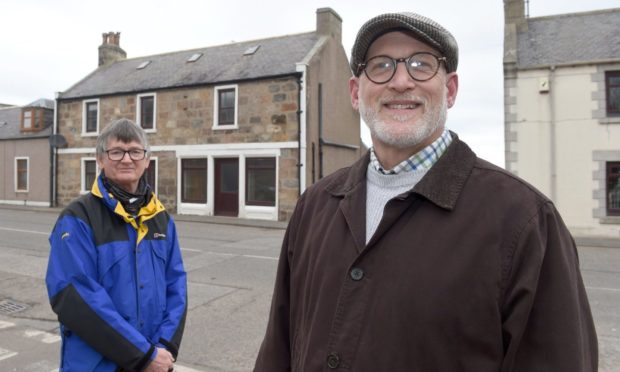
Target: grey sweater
(383,187)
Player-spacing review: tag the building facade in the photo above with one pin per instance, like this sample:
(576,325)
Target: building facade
(235,130)
(562,113)
(25,153)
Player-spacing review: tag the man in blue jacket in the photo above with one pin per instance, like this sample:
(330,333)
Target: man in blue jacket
(115,276)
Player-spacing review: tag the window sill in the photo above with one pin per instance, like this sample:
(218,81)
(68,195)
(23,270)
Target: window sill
(225,127)
(610,120)
(90,134)
(610,220)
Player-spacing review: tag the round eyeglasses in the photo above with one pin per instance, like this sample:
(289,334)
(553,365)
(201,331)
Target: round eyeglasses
(421,66)
(118,154)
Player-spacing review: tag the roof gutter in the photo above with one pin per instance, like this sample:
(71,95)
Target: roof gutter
(570,64)
(175,87)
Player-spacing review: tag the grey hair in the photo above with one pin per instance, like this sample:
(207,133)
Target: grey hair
(123,130)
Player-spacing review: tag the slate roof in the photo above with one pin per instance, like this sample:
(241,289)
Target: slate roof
(219,64)
(42,102)
(10,122)
(570,38)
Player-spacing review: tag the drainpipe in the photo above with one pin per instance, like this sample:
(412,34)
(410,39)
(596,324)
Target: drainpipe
(313,164)
(320,98)
(553,137)
(54,158)
(301,125)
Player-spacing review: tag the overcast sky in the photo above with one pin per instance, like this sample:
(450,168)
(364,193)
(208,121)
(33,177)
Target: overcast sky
(47,46)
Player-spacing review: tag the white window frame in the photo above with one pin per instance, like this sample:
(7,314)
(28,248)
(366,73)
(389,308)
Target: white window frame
(195,208)
(138,111)
(216,104)
(156,164)
(84,189)
(84,116)
(245,176)
(259,211)
(27,173)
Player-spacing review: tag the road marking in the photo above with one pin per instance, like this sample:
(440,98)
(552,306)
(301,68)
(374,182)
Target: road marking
(242,255)
(178,368)
(6,324)
(604,289)
(46,337)
(260,257)
(24,231)
(6,354)
(191,250)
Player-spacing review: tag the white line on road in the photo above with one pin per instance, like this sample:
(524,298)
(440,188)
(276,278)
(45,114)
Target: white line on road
(260,257)
(178,368)
(6,354)
(46,337)
(604,289)
(182,249)
(6,324)
(243,255)
(24,231)
(191,250)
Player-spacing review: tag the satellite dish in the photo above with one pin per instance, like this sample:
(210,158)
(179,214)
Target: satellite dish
(58,140)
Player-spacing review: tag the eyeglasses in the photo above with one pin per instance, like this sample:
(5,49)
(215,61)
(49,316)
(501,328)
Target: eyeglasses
(421,66)
(119,154)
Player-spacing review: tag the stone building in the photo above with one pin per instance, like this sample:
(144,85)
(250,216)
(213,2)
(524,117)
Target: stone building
(235,130)
(25,153)
(562,113)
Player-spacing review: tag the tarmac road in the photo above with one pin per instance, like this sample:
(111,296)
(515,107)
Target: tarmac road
(231,272)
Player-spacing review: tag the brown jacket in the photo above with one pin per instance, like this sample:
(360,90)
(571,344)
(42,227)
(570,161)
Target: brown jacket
(473,270)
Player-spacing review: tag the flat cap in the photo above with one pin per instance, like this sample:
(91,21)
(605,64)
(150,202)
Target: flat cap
(422,28)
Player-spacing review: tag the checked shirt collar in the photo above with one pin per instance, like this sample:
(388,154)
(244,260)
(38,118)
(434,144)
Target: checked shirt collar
(424,158)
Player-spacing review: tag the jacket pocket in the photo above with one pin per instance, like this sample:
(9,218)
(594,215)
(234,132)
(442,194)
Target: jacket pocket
(160,263)
(76,354)
(117,276)
(110,256)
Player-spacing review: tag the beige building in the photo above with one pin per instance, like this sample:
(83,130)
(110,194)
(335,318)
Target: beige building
(562,113)
(25,153)
(235,130)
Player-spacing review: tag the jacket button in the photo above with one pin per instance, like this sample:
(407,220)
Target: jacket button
(357,274)
(333,361)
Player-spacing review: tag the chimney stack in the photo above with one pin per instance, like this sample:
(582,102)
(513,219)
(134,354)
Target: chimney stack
(110,50)
(329,23)
(514,24)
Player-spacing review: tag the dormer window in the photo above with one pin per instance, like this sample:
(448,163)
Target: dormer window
(32,119)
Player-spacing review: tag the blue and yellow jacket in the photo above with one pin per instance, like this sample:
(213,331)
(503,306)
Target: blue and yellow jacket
(116,282)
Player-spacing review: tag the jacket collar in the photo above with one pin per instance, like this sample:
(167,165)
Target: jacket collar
(442,185)
(145,213)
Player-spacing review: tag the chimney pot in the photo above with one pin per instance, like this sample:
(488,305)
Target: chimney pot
(110,51)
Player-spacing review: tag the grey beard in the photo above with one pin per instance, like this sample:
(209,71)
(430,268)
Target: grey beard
(415,134)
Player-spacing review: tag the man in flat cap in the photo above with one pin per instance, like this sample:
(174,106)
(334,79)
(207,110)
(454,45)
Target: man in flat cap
(421,256)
